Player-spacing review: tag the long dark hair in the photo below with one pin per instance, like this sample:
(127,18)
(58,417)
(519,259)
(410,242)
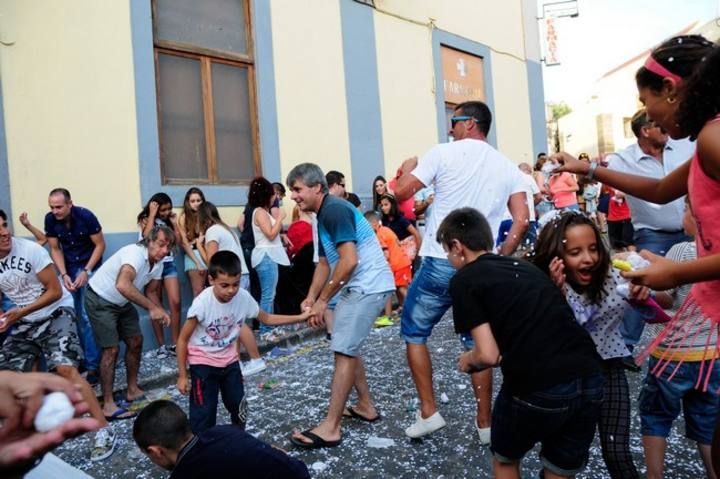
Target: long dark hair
(191,222)
(161,199)
(208,216)
(697,61)
(551,243)
(700,100)
(394,208)
(376,197)
(260,193)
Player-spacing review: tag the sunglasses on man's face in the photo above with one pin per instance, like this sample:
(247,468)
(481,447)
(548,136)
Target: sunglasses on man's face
(456,119)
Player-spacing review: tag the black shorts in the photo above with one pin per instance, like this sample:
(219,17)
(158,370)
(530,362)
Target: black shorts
(621,233)
(561,418)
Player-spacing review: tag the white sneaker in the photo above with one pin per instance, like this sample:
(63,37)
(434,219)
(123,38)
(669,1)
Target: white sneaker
(104,444)
(253,366)
(483,434)
(161,352)
(423,427)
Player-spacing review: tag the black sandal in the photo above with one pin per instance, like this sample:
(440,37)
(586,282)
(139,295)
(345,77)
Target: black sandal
(316,441)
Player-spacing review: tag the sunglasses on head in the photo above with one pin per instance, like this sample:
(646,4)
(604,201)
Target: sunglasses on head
(456,119)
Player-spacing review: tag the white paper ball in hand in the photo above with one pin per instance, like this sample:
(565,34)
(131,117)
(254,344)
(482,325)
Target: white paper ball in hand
(637,262)
(56,410)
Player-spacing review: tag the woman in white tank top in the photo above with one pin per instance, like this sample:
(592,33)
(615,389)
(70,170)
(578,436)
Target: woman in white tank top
(268,252)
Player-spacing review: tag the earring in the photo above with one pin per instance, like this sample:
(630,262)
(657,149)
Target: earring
(671,99)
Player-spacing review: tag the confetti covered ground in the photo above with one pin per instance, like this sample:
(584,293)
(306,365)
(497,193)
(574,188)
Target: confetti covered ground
(295,393)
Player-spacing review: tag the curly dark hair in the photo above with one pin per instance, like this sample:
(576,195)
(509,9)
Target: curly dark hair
(551,243)
(161,199)
(695,59)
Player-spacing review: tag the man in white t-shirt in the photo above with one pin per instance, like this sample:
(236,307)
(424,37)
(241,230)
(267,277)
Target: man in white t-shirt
(113,288)
(465,172)
(44,323)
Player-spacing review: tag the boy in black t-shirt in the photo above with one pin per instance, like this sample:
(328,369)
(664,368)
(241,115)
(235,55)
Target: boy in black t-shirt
(162,431)
(520,321)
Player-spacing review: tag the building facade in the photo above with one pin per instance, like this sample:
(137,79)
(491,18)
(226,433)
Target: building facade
(118,99)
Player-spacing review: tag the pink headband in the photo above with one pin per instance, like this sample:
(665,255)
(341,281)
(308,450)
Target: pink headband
(655,67)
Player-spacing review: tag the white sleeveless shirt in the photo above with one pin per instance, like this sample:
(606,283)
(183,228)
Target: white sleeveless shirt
(264,246)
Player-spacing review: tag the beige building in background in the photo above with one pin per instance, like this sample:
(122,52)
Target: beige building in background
(601,124)
(119,99)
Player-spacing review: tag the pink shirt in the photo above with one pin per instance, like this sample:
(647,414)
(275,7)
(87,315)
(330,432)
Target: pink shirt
(704,194)
(563,188)
(408,206)
(213,342)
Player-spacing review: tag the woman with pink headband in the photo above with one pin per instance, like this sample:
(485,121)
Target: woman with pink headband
(679,85)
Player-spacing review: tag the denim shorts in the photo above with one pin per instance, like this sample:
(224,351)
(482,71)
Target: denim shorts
(561,418)
(190,264)
(169,269)
(354,316)
(660,401)
(427,300)
(332,304)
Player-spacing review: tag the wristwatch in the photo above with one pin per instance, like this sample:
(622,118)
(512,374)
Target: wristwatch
(591,171)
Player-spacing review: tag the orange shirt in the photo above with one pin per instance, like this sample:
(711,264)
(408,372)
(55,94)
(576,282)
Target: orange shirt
(389,242)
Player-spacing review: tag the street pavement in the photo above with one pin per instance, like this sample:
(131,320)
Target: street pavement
(293,394)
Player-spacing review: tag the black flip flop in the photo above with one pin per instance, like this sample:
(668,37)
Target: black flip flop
(357,415)
(317,441)
(120,414)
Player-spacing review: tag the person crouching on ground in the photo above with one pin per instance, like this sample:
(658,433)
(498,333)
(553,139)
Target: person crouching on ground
(163,433)
(519,321)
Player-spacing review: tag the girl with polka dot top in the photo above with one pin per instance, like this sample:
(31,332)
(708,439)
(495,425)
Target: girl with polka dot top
(570,250)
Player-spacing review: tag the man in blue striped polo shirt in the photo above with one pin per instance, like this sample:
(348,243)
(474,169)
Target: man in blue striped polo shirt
(352,263)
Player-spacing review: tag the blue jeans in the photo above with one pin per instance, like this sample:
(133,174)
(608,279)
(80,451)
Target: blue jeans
(528,239)
(573,207)
(267,271)
(87,338)
(660,401)
(656,242)
(207,382)
(427,300)
(562,418)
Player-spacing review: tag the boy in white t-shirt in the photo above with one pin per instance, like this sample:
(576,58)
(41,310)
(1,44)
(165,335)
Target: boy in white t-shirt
(208,343)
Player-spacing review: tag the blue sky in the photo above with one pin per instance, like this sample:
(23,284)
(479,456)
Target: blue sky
(609,32)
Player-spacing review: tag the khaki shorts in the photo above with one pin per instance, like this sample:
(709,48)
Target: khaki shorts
(111,322)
